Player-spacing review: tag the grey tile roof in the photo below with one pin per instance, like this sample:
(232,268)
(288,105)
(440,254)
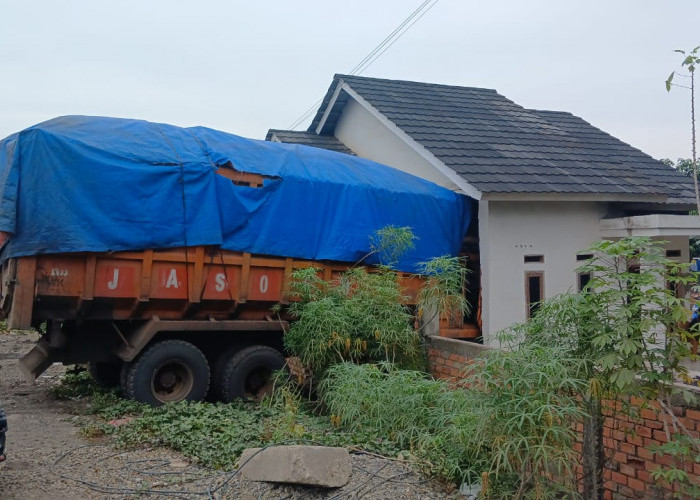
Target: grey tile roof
(500,147)
(308,139)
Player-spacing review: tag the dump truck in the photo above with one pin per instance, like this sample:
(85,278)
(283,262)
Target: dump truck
(155,254)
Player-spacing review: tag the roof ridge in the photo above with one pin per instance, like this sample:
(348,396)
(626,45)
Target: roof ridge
(411,82)
(552,111)
(487,139)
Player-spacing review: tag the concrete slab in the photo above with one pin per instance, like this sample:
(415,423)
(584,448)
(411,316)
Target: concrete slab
(310,465)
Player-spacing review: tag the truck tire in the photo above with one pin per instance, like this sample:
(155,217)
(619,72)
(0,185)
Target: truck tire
(167,372)
(218,369)
(248,374)
(106,374)
(123,377)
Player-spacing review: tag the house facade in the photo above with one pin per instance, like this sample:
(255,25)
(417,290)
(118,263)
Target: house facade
(544,185)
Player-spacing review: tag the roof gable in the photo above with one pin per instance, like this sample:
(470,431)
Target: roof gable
(501,147)
(308,139)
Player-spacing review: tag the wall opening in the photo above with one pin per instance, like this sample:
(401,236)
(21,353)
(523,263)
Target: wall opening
(582,279)
(534,291)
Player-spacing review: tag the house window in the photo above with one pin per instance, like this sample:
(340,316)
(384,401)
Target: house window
(583,278)
(533,258)
(534,291)
(673,253)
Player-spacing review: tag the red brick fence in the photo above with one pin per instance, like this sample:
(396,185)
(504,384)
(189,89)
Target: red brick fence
(626,440)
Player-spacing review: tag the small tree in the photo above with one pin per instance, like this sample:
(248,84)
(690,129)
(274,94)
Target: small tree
(682,165)
(627,327)
(359,317)
(691,60)
(685,167)
(362,315)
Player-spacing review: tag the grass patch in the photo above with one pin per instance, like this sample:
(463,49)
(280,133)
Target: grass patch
(512,429)
(212,434)
(76,383)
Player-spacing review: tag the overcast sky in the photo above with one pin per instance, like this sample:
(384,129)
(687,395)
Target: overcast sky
(246,66)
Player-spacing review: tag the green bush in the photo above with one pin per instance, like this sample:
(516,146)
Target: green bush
(513,424)
(76,383)
(523,407)
(402,405)
(360,317)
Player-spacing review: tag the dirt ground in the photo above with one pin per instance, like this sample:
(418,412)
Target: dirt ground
(48,458)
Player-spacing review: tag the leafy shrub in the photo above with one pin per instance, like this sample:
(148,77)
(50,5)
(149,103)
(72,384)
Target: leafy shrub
(512,425)
(360,317)
(391,242)
(442,291)
(524,404)
(402,405)
(76,383)
(212,434)
(683,449)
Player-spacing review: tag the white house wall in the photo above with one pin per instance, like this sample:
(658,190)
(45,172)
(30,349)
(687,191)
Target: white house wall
(369,138)
(511,230)
(508,230)
(677,243)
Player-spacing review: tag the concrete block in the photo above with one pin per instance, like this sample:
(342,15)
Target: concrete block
(309,465)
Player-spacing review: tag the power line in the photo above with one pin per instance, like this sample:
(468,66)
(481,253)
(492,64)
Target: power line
(393,41)
(382,47)
(306,114)
(358,68)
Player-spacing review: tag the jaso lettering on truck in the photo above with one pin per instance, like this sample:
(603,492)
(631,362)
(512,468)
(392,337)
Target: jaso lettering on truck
(112,285)
(220,280)
(172,280)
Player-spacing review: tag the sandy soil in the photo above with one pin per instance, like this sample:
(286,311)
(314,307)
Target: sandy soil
(48,458)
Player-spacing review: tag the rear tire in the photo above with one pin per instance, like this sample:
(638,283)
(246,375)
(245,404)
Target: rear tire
(248,374)
(105,373)
(168,372)
(123,376)
(217,372)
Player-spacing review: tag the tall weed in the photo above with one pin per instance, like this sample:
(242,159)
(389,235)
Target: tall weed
(360,317)
(401,405)
(512,424)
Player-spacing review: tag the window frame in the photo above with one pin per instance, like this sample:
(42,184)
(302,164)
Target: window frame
(529,304)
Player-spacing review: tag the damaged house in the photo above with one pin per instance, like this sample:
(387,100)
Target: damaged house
(543,184)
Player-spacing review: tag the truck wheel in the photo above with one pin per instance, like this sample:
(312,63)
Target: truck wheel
(248,374)
(123,377)
(217,372)
(167,372)
(105,373)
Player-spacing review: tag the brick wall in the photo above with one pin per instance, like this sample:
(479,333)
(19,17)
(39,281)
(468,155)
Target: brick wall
(626,439)
(448,357)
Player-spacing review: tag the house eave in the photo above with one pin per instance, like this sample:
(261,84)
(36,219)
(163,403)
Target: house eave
(656,225)
(329,108)
(464,186)
(593,197)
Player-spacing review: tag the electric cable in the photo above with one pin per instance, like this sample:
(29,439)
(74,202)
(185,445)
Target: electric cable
(217,485)
(377,52)
(119,490)
(393,37)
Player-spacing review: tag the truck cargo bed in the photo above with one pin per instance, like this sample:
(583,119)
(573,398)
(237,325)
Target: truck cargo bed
(194,283)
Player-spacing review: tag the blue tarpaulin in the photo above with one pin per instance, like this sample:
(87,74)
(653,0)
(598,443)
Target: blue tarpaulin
(78,183)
